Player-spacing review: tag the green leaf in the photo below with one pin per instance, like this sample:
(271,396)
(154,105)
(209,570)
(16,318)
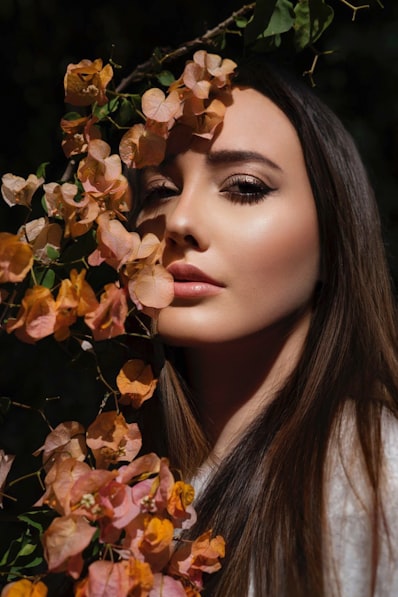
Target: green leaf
(27,549)
(72,116)
(46,278)
(262,15)
(282,19)
(312,18)
(38,519)
(102,112)
(52,252)
(41,170)
(126,112)
(165,78)
(241,22)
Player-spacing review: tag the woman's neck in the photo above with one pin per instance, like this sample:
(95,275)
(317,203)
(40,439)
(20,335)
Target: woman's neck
(233,382)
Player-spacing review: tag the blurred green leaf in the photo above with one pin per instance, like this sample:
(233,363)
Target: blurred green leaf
(165,78)
(52,252)
(312,18)
(102,112)
(262,15)
(41,170)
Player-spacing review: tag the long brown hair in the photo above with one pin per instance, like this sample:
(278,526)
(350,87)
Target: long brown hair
(267,497)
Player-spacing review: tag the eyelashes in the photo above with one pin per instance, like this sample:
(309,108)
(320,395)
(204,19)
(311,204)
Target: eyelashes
(239,188)
(245,189)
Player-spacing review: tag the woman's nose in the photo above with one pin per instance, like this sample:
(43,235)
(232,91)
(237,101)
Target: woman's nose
(185,221)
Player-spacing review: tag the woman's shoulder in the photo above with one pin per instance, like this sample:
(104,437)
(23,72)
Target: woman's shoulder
(350,513)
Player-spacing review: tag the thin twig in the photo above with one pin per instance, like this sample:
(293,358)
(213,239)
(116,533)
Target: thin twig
(354,8)
(146,67)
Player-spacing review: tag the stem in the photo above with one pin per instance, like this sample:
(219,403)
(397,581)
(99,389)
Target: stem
(354,8)
(141,70)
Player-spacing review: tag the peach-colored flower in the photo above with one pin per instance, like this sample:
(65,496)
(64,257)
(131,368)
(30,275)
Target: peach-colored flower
(64,541)
(166,586)
(101,176)
(141,146)
(149,283)
(108,319)
(18,191)
(36,317)
(59,482)
(112,439)
(78,212)
(25,588)
(121,579)
(115,243)
(42,236)
(86,82)
(136,382)
(6,461)
(161,108)
(16,258)
(67,440)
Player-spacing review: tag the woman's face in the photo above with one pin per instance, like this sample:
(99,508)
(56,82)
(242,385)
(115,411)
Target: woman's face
(240,228)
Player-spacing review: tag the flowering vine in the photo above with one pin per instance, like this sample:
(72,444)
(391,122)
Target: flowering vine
(109,517)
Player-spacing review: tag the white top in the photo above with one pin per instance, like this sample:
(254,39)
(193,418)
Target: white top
(347,544)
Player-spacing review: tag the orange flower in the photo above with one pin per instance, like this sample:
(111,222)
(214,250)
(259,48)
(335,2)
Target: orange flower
(25,588)
(75,298)
(16,258)
(41,235)
(18,191)
(112,440)
(115,243)
(86,82)
(107,320)
(59,482)
(136,382)
(141,146)
(77,134)
(37,316)
(157,106)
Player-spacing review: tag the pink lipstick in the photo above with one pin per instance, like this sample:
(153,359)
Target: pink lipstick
(191,282)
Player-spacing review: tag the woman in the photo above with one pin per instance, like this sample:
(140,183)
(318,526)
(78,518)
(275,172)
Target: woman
(283,398)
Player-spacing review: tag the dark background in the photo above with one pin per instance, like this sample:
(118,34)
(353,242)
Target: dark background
(40,37)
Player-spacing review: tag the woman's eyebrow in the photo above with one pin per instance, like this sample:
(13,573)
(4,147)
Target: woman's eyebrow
(226,156)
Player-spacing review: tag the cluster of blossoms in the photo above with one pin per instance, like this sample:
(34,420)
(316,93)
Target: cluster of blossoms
(128,510)
(121,510)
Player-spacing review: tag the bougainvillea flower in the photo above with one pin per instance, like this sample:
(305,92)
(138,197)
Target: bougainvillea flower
(136,382)
(6,461)
(101,176)
(16,258)
(86,82)
(64,541)
(202,555)
(67,440)
(141,146)
(77,134)
(108,319)
(175,498)
(159,107)
(59,481)
(120,579)
(63,201)
(18,191)
(112,439)
(141,468)
(88,495)
(214,65)
(36,317)
(166,586)
(42,236)
(115,243)
(149,283)
(25,588)
(75,298)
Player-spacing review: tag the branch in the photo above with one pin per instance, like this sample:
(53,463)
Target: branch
(354,8)
(146,67)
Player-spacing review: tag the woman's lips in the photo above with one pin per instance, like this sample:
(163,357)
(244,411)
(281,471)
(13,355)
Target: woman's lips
(191,282)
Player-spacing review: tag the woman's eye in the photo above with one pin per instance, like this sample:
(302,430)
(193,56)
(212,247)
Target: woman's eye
(157,193)
(245,189)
